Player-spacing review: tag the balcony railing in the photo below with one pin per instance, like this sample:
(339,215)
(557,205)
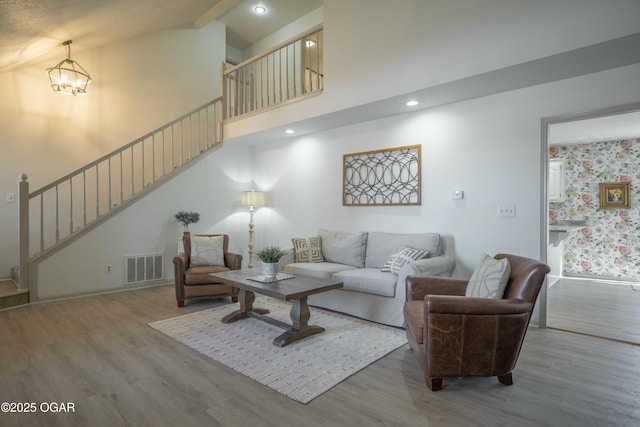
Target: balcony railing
(289,71)
(58,211)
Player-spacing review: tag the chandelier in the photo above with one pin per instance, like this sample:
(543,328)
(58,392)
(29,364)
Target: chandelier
(68,76)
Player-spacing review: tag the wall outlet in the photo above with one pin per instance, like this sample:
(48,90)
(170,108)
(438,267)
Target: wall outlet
(108,268)
(506,210)
(11,197)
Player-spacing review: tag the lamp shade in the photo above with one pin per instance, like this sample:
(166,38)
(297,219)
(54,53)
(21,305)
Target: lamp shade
(253,198)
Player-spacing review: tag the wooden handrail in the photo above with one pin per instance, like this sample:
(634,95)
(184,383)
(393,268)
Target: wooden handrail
(72,196)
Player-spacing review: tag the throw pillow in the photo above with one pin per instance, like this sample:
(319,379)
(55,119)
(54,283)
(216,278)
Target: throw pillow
(398,260)
(308,249)
(489,279)
(207,250)
(344,247)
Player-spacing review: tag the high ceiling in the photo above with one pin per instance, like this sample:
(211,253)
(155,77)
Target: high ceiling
(33,30)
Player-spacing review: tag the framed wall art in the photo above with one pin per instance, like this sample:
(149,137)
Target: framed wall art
(615,195)
(387,177)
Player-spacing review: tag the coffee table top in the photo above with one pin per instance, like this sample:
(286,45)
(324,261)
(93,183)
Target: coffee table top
(288,289)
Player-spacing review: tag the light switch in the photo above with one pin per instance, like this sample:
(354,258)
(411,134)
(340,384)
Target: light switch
(457,194)
(11,197)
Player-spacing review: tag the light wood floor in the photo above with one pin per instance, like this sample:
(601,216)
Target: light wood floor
(99,353)
(602,309)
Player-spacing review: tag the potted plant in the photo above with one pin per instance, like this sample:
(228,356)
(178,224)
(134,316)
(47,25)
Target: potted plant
(270,256)
(186,219)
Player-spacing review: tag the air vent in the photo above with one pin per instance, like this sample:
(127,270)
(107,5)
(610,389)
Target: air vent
(143,268)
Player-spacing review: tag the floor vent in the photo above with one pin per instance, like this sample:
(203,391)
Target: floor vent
(143,268)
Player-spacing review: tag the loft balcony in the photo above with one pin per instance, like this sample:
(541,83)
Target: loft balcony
(289,71)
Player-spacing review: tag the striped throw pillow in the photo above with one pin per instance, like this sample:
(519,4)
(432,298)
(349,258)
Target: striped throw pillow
(398,260)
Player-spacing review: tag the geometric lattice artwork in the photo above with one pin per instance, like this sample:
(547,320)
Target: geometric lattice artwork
(388,177)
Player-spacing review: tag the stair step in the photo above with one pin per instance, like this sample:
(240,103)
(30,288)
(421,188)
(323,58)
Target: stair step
(11,296)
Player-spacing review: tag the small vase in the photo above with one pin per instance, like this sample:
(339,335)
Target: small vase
(269,269)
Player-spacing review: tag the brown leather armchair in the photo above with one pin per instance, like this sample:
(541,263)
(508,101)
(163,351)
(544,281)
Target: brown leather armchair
(195,282)
(457,336)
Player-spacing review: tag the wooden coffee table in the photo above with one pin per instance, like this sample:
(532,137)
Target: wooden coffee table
(296,289)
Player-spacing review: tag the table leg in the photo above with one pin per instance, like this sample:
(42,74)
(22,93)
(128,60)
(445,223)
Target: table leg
(300,315)
(246,299)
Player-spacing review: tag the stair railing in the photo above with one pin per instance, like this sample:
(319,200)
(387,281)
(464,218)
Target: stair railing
(288,71)
(59,211)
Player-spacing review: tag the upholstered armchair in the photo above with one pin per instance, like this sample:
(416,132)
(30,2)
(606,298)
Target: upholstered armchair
(193,281)
(453,335)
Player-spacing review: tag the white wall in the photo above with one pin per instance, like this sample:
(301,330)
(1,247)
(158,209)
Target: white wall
(490,147)
(211,186)
(137,86)
(299,26)
(376,49)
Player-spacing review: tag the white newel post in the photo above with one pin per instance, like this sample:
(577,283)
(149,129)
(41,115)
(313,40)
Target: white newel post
(23,206)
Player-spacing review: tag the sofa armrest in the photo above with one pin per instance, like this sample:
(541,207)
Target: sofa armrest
(286,259)
(469,306)
(418,287)
(180,264)
(233,261)
(439,266)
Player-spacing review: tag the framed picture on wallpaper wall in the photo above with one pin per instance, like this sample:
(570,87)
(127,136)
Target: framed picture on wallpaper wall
(615,195)
(387,177)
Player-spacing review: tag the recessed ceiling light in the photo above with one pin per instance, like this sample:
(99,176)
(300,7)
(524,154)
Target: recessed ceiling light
(310,43)
(260,9)
(290,131)
(412,103)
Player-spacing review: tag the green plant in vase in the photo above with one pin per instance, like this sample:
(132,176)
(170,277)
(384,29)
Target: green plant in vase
(186,219)
(270,256)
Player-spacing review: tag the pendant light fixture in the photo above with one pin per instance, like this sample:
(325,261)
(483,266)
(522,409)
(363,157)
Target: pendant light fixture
(68,76)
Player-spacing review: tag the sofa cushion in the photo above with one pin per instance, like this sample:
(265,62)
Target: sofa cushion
(380,246)
(398,260)
(344,248)
(323,270)
(369,281)
(207,250)
(489,279)
(308,249)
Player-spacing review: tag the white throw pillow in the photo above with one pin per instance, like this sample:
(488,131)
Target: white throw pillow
(396,261)
(207,250)
(489,279)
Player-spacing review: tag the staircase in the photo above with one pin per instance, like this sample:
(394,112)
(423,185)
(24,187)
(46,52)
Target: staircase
(74,204)
(62,211)
(11,295)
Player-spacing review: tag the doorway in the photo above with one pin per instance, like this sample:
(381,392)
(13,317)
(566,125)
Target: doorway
(590,302)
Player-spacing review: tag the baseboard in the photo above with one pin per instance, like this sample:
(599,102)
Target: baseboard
(99,292)
(552,280)
(598,278)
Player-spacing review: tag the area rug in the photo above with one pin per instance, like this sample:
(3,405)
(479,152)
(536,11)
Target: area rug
(302,370)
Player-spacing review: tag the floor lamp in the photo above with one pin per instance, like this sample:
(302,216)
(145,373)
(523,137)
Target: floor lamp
(252,199)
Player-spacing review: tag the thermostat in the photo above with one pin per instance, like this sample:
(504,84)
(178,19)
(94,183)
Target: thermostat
(457,194)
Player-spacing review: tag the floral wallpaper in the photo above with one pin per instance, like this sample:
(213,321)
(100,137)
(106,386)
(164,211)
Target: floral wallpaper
(609,247)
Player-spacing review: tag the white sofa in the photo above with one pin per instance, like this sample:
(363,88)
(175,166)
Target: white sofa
(358,259)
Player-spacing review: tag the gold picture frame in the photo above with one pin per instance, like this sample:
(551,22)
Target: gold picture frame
(615,195)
